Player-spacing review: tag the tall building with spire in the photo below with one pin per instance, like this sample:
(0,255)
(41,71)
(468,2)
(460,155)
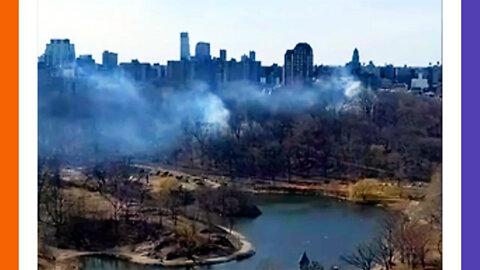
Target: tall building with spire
(184,46)
(354,65)
(355,57)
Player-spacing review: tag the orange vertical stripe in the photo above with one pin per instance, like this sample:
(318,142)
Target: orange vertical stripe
(9,136)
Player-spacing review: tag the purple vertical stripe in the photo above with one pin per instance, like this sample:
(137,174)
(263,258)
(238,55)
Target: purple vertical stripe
(470,133)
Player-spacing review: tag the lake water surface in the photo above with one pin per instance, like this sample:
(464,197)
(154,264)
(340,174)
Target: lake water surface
(325,228)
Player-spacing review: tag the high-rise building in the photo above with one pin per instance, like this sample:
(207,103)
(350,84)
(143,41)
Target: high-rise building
(223,55)
(85,65)
(221,65)
(271,75)
(136,70)
(252,55)
(59,53)
(179,72)
(160,71)
(184,46)
(202,51)
(109,60)
(298,68)
(245,70)
(288,68)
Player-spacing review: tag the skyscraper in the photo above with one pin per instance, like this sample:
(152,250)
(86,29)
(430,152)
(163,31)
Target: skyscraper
(288,68)
(202,51)
(223,54)
(298,68)
(109,60)
(252,55)
(59,53)
(184,46)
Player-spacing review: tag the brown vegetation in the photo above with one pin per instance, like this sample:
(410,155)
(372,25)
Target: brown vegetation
(410,239)
(398,137)
(113,205)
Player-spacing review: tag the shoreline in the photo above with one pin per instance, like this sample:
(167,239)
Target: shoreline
(122,253)
(246,250)
(333,189)
(328,193)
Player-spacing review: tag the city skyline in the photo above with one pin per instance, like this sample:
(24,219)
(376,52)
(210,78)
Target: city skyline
(150,33)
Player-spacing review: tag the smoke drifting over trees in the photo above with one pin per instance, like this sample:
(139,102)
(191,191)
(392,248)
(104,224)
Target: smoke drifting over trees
(114,113)
(108,113)
(333,128)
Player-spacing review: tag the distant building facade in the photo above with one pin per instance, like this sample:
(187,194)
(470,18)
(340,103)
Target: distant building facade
(248,69)
(271,75)
(179,72)
(59,53)
(223,55)
(221,63)
(298,68)
(434,77)
(404,74)
(184,46)
(388,72)
(109,60)
(138,71)
(59,65)
(202,51)
(251,55)
(419,85)
(159,71)
(85,65)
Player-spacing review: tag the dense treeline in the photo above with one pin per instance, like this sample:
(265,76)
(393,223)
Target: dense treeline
(384,134)
(333,130)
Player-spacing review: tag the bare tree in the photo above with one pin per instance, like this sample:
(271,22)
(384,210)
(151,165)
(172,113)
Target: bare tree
(56,206)
(383,255)
(199,131)
(48,170)
(417,240)
(173,203)
(412,240)
(363,258)
(206,203)
(232,206)
(112,178)
(386,241)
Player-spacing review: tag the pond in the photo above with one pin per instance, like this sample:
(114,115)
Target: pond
(323,227)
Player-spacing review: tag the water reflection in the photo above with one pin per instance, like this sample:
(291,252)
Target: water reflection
(290,224)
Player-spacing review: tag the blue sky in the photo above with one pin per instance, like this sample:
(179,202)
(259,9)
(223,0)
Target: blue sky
(385,31)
